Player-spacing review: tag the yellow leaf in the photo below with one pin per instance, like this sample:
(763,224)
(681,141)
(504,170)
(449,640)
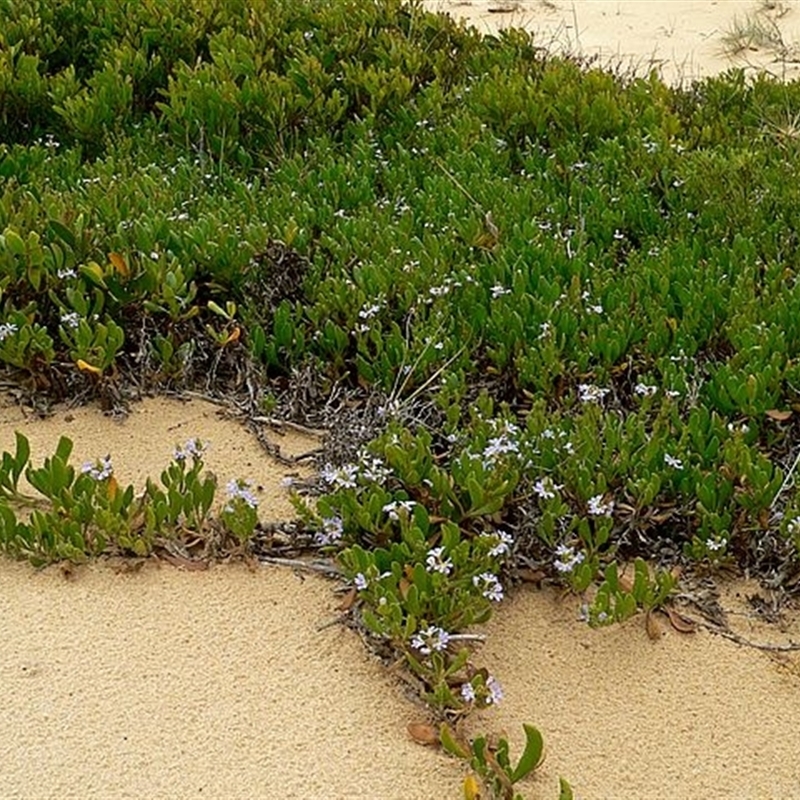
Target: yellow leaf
(118,262)
(113,487)
(472,790)
(84,367)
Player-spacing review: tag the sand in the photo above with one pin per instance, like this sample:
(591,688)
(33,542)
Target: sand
(683,39)
(230,683)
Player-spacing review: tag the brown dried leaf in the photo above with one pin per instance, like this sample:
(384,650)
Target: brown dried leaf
(422,733)
(404,585)
(349,600)
(189,564)
(625,583)
(779,416)
(653,626)
(531,575)
(679,622)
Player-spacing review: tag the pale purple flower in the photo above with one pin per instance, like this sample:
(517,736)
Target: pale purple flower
(567,559)
(343,477)
(495,691)
(242,490)
(360,582)
(193,447)
(490,586)
(468,692)
(500,445)
(100,469)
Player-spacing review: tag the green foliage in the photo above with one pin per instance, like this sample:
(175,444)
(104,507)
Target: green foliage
(76,514)
(573,294)
(491,763)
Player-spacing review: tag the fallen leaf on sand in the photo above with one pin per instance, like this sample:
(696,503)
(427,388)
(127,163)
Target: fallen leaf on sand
(423,733)
(349,600)
(679,622)
(184,563)
(653,626)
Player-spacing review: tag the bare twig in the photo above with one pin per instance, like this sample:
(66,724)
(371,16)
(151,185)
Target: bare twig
(326,568)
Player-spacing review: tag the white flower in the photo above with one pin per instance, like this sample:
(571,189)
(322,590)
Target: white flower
(598,508)
(468,692)
(7,329)
(437,562)
(544,330)
(595,309)
(342,477)
(645,390)
(589,393)
(430,639)
(499,445)
(499,290)
(63,274)
(374,470)
(504,542)
(546,488)
(716,544)
(71,319)
(671,461)
(398,505)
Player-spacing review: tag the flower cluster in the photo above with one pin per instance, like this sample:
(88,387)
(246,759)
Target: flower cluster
(437,562)
(432,639)
(546,488)
(193,447)
(392,509)
(332,529)
(99,470)
(502,543)
(489,586)
(490,693)
(599,508)
(240,490)
(343,477)
(567,558)
(589,393)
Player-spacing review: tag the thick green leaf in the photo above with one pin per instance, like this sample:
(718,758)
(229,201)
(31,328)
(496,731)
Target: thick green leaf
(532,755)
